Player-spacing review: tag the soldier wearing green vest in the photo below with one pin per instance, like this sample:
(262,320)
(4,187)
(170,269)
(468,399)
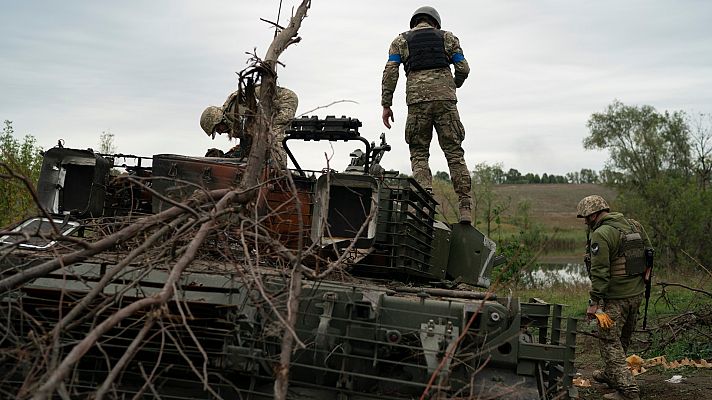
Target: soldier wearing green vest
(616,263)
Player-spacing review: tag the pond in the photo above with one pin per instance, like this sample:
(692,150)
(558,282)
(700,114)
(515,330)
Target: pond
(550,274)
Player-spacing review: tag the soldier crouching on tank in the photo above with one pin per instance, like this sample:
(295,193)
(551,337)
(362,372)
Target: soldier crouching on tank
(616,262)
(426,53)
(229,117)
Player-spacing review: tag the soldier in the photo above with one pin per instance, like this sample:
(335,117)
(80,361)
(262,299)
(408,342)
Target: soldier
(426,53)
(616,263)
(226,119)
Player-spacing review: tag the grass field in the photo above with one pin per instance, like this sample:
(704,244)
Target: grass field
(552,206)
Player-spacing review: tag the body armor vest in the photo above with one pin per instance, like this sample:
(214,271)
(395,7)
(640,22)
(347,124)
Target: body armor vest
(426,50)
(630,260)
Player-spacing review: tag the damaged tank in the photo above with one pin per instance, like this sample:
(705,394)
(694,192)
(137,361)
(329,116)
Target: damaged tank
(414,317)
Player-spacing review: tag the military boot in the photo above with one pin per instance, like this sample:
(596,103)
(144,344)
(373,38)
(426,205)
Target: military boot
(601,377)
(465,211)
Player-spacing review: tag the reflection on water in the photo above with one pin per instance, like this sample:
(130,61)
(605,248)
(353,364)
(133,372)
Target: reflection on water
(552,274)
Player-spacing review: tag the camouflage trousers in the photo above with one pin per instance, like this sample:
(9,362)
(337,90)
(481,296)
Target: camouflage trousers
(277,153)
(614,342)
(443,116)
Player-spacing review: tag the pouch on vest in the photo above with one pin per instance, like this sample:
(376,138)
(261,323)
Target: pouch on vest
(633,249)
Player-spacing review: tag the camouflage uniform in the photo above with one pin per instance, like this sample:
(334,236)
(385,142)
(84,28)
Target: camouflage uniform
(619,293)
(431,99)
(285,105)
(285,109)
(614,342)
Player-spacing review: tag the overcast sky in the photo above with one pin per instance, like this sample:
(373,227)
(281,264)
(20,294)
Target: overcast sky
(145,70)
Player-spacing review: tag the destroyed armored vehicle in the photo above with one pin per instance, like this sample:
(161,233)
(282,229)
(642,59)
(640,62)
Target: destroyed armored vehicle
(406,311)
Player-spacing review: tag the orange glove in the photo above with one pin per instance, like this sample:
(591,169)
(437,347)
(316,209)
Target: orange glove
(604,321)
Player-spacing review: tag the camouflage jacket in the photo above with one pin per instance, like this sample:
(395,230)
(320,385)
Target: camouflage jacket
(605,247)
(285,105)
(424,85)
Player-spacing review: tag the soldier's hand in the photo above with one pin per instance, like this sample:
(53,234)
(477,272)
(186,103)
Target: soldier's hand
(604,321)
(387,114)
(459,79)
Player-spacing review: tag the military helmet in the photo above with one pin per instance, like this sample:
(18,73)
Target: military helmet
(211,116)
(591,205)
(426,10)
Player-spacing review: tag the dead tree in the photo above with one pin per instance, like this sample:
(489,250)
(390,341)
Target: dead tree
(205,215)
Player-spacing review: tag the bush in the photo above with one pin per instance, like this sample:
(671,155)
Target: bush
(19,158)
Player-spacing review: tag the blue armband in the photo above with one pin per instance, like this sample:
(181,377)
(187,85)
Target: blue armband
(457,57)
(394,58)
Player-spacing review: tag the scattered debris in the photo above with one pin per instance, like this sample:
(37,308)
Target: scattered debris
(580,381)
(637,365)
(685,362)
(675,379)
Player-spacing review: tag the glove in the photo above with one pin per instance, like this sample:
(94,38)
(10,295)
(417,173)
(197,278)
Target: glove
(604,321)
(459,79)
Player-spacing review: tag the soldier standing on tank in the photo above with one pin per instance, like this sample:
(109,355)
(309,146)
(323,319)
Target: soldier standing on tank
(227,119)
(426,52)
(616,253)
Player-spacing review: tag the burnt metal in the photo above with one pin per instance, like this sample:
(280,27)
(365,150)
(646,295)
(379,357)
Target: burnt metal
(407,312)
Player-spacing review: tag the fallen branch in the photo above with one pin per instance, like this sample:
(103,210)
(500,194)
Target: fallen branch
(666,284)
(165,294)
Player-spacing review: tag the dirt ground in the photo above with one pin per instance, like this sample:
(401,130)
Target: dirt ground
(696,385)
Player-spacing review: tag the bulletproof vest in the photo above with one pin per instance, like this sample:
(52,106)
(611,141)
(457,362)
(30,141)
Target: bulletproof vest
(630,260)
(426,50)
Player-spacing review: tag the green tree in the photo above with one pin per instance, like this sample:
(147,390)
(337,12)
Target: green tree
(513,176)
(641,142)
(487,207)
(521,249)
(610,177)
(701,126)
(588,176)
(448,207)
(442,175)
(21,158)
(573,177)
(656,169)
(106,143)
(497,174)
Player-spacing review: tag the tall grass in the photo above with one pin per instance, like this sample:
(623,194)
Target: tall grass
(665,335)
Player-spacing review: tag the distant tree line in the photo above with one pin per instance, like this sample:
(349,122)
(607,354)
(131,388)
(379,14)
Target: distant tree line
(496,174)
